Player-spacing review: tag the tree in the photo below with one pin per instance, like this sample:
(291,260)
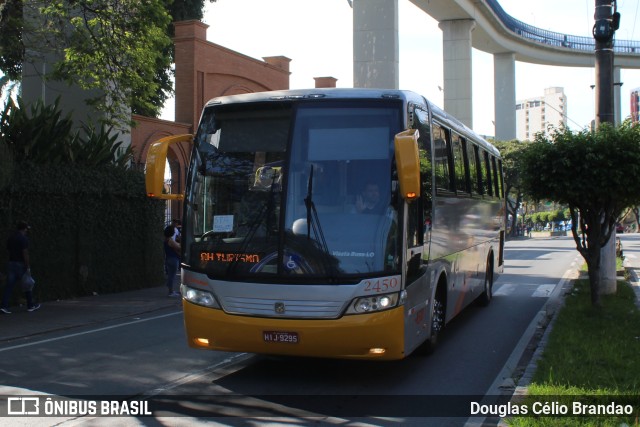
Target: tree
(122,47)
(115,46)
(511,152)
(11,46)
(596,174)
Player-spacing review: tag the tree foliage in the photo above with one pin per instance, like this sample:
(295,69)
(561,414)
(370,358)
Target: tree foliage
(122,47)
(115,46)
(41,135)
(596,174)
(511,152)
(11,46)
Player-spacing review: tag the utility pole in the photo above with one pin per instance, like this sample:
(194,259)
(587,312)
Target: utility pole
(607,22)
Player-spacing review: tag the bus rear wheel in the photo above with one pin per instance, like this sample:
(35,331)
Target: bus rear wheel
(487,295)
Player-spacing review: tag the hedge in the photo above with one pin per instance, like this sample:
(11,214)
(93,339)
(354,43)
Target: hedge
(93,229)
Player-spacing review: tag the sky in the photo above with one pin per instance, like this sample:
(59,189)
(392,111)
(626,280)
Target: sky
(317,36)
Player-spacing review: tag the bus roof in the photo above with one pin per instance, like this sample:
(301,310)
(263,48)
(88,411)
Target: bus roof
(405,96)
(319,93)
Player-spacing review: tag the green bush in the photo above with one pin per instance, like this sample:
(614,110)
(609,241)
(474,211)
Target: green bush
(93,230)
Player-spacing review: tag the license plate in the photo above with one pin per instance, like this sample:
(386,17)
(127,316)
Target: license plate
(281,337)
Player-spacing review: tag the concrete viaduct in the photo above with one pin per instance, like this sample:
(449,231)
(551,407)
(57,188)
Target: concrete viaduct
(481,24)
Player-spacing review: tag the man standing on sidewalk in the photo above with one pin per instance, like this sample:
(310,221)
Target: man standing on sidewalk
(19,264)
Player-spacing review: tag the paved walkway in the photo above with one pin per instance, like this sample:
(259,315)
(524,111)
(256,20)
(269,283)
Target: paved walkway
(73,313)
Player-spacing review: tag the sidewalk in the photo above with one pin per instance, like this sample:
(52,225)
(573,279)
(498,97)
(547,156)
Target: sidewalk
(95,310)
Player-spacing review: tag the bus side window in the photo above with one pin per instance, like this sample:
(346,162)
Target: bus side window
(474,177)
(419,211)
(426,165)
(459,164)
(496,182)
(486,174)
(500,179)
(441,145)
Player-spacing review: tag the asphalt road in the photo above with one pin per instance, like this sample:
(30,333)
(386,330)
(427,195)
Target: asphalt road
(144,357)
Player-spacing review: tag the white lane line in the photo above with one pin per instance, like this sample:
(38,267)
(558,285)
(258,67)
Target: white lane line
(92,331)
(543,291)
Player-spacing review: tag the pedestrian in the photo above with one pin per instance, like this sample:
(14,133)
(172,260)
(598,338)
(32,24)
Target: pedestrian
(177,227)
(19,265)
(171,259)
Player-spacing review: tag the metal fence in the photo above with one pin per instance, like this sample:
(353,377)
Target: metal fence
(557,39)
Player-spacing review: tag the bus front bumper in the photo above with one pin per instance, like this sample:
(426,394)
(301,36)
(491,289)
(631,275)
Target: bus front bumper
(377,336)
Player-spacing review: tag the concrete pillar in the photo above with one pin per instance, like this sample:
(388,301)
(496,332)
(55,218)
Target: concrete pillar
(504,87)
(375,44)
(617,100)
(456,50)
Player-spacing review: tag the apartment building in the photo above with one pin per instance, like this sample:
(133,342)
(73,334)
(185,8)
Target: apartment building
(541,114)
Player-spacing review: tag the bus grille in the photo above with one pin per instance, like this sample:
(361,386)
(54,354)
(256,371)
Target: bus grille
(283,308)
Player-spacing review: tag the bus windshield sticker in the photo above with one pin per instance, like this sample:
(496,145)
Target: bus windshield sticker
(223,223)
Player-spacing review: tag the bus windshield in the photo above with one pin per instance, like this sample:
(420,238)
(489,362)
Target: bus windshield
(290,189)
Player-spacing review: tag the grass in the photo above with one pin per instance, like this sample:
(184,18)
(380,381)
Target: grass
(592,356)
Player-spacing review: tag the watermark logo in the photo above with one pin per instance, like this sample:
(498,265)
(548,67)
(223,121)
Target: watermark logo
(23,406)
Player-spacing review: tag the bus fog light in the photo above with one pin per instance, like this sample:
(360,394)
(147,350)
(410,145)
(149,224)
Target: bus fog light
(377,351)
(202,342)
(198,296)
(373,303)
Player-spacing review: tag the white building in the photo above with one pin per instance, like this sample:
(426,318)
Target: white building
(541,114)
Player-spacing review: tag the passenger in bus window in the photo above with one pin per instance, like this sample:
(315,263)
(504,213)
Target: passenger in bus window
(369,200)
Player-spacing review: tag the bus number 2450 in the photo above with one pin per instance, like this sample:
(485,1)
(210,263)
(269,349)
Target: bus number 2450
(382,285)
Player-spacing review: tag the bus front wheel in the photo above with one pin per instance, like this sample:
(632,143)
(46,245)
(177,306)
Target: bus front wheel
(437,324)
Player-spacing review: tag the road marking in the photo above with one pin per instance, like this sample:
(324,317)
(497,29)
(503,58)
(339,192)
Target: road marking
(506,289)
(92,331)
(543,291)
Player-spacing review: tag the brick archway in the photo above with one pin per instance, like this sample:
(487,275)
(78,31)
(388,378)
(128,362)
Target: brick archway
(204,70)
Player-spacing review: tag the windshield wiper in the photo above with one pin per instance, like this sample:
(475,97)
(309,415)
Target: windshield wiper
(312,216)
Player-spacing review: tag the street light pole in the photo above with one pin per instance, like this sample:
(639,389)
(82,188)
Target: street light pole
(607,22)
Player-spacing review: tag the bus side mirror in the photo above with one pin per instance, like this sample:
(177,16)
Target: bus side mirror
(408,163)
(155,164)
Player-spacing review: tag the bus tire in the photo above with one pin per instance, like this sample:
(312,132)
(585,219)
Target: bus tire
(487,294)
(437,324)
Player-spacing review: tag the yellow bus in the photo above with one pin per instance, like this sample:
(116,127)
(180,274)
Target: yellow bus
(337,223)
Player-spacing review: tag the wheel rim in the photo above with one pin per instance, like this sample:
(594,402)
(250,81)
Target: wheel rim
(437,319)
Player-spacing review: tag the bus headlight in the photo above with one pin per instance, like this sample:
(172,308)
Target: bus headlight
(372,303)
(198,296)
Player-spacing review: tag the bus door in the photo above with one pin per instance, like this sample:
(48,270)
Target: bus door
(416,226)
